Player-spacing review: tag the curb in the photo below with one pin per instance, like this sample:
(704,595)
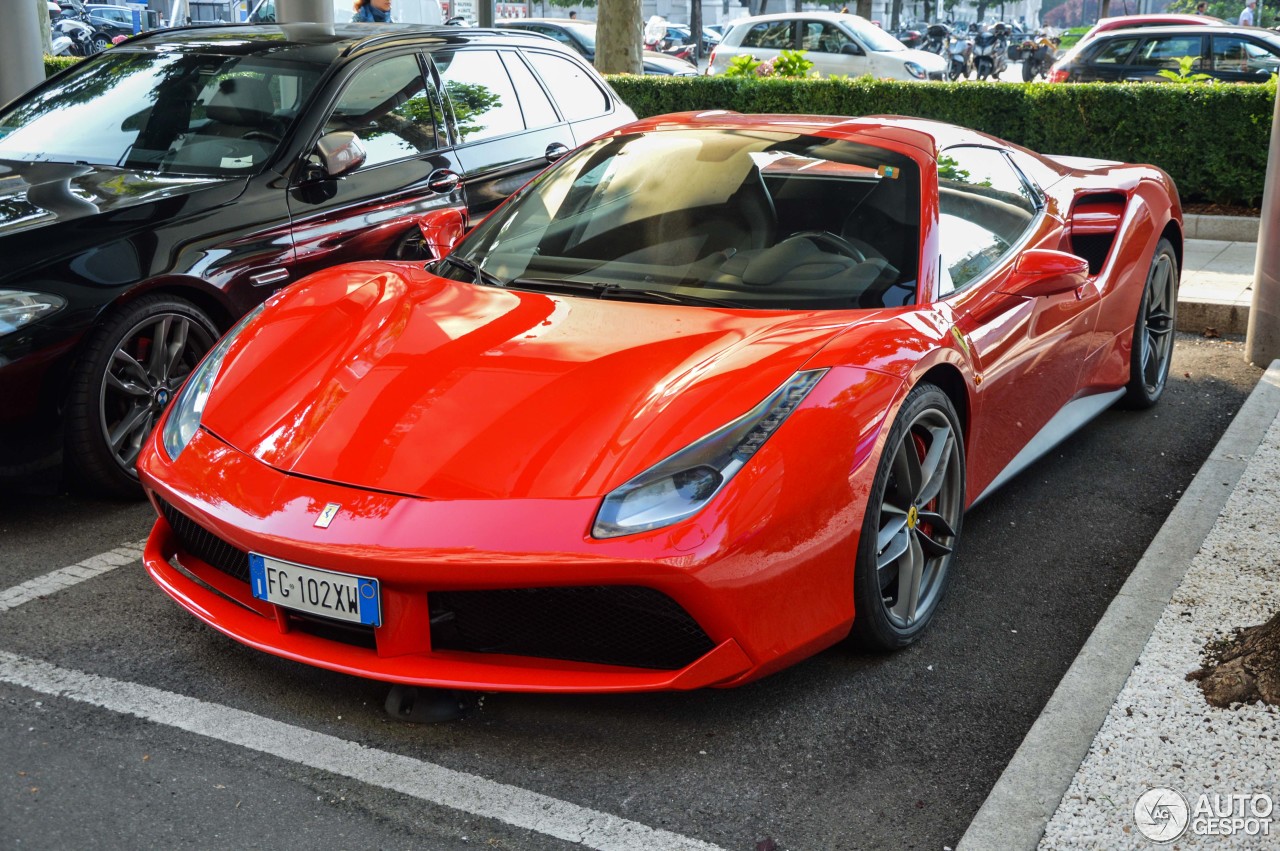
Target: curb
(1226,228)
(1195,316)
(1029,791)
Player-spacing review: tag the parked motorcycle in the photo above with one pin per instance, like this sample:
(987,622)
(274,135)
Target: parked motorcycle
(961,55)
(80,34)
(990,52)
(910,37)
(1037,55)
(936,39)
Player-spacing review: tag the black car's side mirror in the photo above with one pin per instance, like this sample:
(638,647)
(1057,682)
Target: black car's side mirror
(337,153)
(851,49)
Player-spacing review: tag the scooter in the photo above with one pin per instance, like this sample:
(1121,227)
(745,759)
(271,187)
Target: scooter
(1037,56)
(61,46)
(936,38)
(990,53)
(961,54)
(80,33)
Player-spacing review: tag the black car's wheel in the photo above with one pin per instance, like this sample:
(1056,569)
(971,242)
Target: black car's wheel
(99,43)
(132,366)
(912,523)
(1153,330)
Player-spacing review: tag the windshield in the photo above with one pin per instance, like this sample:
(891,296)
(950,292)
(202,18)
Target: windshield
(759,219)
(171,113)
(872,36)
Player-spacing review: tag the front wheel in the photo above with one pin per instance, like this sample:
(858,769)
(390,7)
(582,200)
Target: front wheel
(984,68)
(1152,351)
(131,368)
(100,43)
(912,523)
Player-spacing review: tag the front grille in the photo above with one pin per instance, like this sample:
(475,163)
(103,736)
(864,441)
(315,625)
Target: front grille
(606,624)
(205,545)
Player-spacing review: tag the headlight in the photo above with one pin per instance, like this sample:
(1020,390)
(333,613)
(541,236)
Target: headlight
(916,70)
(681,485)
(18,308)
(184,414)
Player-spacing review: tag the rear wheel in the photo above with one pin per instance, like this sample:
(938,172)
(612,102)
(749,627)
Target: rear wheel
(1029,67)
(912,523)
(1152,350)
(132,366)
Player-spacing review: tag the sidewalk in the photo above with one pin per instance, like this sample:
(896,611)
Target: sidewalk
(1124,723)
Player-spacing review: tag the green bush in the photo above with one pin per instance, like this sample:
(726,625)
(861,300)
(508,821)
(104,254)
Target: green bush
(1212,139)
(54,64)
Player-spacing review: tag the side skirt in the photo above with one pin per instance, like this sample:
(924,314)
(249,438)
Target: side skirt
(1069,419)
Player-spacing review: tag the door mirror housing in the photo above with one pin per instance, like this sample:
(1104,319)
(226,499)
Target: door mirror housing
(1042,272)
(851,49)
(339,153)
(441,229)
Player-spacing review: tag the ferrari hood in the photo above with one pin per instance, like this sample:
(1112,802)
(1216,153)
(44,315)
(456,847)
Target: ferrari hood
(384,377)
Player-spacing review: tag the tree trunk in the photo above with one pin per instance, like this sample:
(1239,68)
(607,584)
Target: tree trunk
(1246,670)
(619,36)
(695,28)
(895,16)
(46,34)
(982,10)
(864,9)
(1104,11)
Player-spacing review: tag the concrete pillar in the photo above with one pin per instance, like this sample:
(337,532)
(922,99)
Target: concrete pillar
(1262,345)
(21,65)
(306,11)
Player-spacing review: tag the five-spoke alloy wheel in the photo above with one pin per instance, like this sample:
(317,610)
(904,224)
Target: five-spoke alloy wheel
(131,369)
(912,522)
(1153,330)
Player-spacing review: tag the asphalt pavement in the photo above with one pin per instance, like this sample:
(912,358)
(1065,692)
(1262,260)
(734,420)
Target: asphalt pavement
(150,730)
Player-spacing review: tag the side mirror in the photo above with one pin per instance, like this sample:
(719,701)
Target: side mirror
(851,49)
(1042,272)
(338,153)
(441,229)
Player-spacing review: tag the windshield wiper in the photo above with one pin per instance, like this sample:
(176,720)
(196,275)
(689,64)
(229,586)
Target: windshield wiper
(478,275)
(610,290)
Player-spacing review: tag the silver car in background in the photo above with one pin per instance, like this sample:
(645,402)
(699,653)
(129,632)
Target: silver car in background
(836,44)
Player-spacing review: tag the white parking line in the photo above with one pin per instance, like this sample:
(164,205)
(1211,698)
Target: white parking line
(423,780)
(65,577)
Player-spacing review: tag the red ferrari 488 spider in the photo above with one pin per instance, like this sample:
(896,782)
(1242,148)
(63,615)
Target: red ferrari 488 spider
(705,397)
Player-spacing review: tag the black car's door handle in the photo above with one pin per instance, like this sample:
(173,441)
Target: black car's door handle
(556,150)
(443,180)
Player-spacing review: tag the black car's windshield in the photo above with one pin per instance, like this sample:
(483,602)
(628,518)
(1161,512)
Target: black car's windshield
(172,113)
(760,219)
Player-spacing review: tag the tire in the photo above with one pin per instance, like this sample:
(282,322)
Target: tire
(100,43)
(1152,350)
(983,68)
(120,387)
(1028,70)
(912,526)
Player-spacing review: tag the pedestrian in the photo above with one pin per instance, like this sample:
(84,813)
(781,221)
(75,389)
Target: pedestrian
(1246,17)
(371,12)
(1202,8)
(573,16)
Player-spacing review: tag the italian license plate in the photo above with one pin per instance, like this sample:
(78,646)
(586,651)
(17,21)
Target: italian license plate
(340,596)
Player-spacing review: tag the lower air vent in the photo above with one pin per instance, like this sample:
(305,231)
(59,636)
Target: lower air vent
(205,545)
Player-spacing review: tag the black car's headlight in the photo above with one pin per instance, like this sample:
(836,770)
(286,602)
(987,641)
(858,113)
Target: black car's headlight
(185,413)
(19,307)
(679,486)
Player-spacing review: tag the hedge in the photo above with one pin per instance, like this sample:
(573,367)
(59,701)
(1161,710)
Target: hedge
(1212,139)
(54,64)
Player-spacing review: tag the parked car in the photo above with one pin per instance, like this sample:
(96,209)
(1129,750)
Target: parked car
(712,392)
(1227,53)
(581,37)
(1160,19)
(154,193)
(122,16)
(835,43)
